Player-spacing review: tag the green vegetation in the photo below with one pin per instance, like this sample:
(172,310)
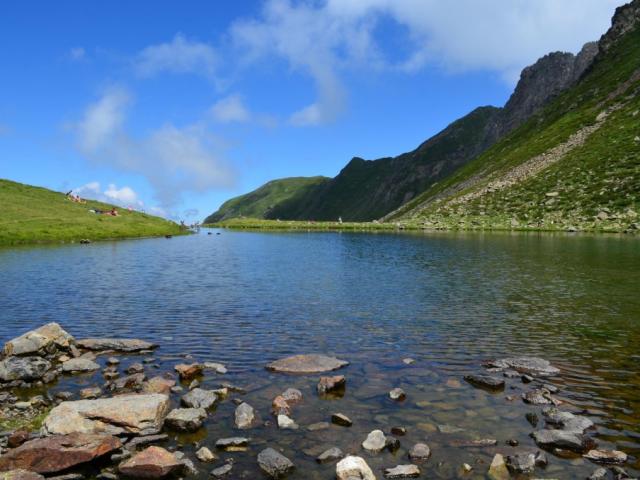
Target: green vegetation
(37,215)
(593,186)
(261,224)
(26,421)
(260,202)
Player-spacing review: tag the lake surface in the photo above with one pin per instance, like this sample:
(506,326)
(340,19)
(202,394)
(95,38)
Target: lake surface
(447,300)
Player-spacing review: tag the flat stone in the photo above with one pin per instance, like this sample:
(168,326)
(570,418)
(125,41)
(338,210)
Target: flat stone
(244,416)
(186,419)
(222,471)
(216,367)
(90,393)
(232,443)
(606,456)
(39,341)
(420,452)
(330,455)
(477,443)
(76,365)
(136,442)
(286,423)
(23,368)
(354,468)
(314,427)
(536,397)
(530,365)
(153,462)
(397,394)
(498,469)
(130,383)
(273,463)
(124,414)
(59,452)
(307,364)
(158,385)
(562,439)
(189,371)
(117,344)
(17,438)
(331,384)
(341,419)
(402,471)
(205,455)
(485,381)
(567,421)
(199,398)
(375,441)
(20,475)
(521,463)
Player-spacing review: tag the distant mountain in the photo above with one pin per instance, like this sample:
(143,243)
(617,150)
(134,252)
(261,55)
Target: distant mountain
(260,202)
(573,165)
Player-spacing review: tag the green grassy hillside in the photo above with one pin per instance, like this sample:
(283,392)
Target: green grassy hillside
(260,202)
(37,215)
(573,166)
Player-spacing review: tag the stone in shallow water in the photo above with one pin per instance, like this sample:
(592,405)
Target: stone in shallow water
(47,338)
(232,444)
(59,452)
(273,463)
(562,439)
(331,384)
(205,455)
(186,419)
(354,468)
(477,443)
(77,365)
(599,474)
(420,452)
(189,371)
(292,396)
(531,365)
(314,427)
(341,419)
(280,406)
(521,463)
(537,397)
(117,344)
(23,368)
(606,456)
(199,398)
(222,471)
(307,364)
(245,416)
(330,455)
(566,420)
(485,381)
(286,422)
(397,394)
(158,385)
(375,441)
(498,469)
(402,471)
(125,414)
(153,462)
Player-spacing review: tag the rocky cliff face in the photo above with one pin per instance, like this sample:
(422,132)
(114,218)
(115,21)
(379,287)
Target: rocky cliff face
(625,19)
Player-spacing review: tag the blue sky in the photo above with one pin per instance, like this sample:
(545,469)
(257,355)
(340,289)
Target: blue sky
(174,107)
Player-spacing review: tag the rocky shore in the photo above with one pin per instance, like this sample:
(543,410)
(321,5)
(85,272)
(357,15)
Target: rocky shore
(120,428)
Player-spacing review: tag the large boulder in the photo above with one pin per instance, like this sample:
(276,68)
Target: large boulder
(79,365)
(45,339)
(530,365)
(573,441)
(307,364)
(186,419)
(60,452)
(117,344)
(23,368)
(153,462)
(125,414)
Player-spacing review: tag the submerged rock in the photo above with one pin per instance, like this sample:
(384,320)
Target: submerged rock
(561,439)
(45,339)
(330,455)
(232,444)
(285,422)
(307,364)
(354,468)
(341,419)
(117,344)
(153,462)
(420,452)
(375,441)
(59,452)
(23,368)
(537,397)
(245,416)
(566,421)
(125,414)
(292,396)
(331,384)
(402,471)
(280,406)
(186,419)
(485,381)
(199,398)
(606,456)
(273,463)
(498,469)
(521,463)
(222,471)
(397,394)
(530,365)
(76,365)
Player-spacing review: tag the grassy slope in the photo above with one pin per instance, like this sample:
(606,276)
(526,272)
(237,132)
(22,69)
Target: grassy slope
(601,176)
(37,215)
(260,202)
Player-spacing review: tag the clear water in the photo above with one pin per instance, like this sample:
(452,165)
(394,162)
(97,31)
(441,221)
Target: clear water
(447,300)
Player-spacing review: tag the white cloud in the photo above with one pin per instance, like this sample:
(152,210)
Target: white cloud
(230,109)
(123,196)
(174,160)
(181,55)
(77,53)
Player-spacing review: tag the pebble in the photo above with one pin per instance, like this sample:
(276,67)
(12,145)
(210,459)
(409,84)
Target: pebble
(397,394)
(205,455)
(341,419)
(402,471)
